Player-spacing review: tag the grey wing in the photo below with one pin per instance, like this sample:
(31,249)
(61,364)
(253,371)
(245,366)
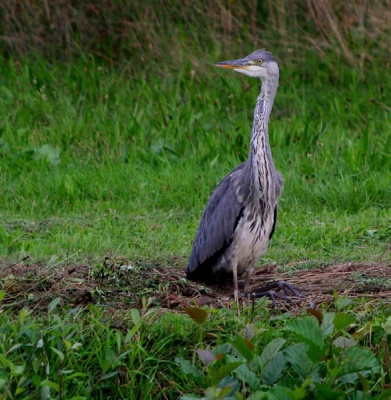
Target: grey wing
(217,226)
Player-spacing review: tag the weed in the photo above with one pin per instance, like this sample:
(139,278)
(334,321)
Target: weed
(322,358)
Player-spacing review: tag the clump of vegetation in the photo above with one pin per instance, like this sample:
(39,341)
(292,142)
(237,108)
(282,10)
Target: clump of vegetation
(100,352)
(327,358)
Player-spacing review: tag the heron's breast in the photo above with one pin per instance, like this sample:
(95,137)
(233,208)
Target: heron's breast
(251,239)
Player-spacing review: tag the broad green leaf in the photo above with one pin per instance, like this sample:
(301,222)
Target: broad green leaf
(109,375)
(36,364)
(231,383)
(76,345)
(190,369)
(324,391)
(327,326)
(45,392)
(5,361)
(18,369)
(317,372)
(279,393)
(53,304)
(249,332)
(124,354)
(240,345)
(244,374)
(19,390)
(334,372)
(224,348)
(59,353)
(135,314)
(76,375)
(299,392)
(344,342)
(257,396)
(386,395)
(364,383)
(198,315)
(109,355)
(51,384)
(13,348)
(224,392)
(343,303)
(271,350)
(359,360)
(224,371)
(206,356)
(131,333)
(296,355)
(342,320)
(357,395)
(255,364)
(2,294)
(315,354)
(273,369)
(190,397)
(212,393)
(308,331)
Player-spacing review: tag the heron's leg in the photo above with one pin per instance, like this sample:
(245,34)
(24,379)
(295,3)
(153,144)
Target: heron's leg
(236,288)
(249,272)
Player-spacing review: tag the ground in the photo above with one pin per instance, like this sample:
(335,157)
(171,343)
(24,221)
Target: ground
(121,285)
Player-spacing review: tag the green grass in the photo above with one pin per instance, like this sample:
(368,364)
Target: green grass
(96,161)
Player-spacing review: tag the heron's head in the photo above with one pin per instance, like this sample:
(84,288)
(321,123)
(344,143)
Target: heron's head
(260,64)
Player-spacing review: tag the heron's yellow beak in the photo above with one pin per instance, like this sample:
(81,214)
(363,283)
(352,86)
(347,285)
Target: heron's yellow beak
(234,64)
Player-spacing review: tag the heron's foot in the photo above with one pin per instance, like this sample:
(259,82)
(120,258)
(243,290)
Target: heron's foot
(287,288)
(270,293)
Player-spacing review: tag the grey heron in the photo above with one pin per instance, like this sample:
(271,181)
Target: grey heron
(241,214)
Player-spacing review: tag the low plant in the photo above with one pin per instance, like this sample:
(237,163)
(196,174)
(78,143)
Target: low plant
(315,358)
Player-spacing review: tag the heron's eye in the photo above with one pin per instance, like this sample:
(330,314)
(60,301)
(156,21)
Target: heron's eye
(260,62)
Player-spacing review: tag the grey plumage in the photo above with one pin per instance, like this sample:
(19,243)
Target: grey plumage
(241,214)
(261,54)
(216,230)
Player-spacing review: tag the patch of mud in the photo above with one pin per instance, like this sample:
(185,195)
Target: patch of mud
(117,284)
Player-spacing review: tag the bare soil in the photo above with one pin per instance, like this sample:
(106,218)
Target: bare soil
(118,285)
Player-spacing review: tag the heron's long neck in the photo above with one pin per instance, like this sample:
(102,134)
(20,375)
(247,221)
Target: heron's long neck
(262,166)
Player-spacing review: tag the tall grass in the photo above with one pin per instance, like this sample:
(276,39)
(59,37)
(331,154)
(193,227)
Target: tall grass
(171,32)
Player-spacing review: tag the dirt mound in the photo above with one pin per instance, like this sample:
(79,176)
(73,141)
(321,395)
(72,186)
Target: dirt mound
(117,284)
